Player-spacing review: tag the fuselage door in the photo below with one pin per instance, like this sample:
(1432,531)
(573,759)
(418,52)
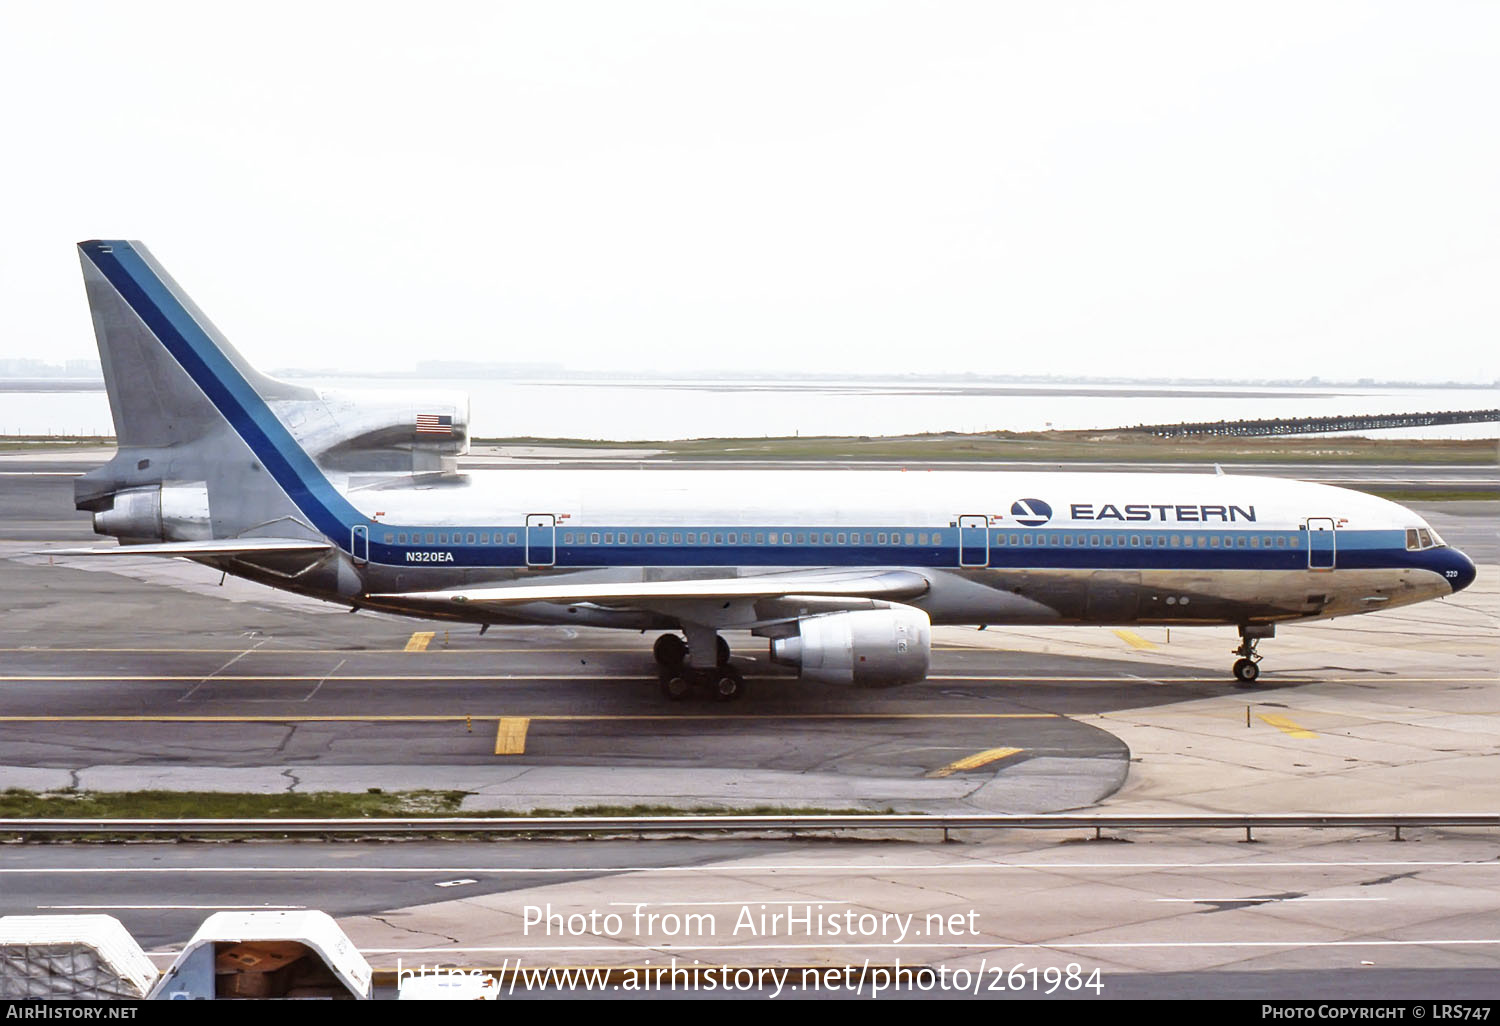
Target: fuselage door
(1322,543)
(973,541)
(541,539)
(359,544)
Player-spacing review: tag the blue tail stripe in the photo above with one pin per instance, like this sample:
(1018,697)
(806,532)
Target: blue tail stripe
(223,384)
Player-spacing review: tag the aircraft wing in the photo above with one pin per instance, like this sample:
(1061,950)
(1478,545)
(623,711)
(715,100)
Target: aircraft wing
(215,547)
(895,585)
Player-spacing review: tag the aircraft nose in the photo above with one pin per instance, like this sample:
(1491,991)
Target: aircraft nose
(1460,570)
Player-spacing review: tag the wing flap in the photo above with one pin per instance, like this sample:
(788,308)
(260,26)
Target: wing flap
(895,585)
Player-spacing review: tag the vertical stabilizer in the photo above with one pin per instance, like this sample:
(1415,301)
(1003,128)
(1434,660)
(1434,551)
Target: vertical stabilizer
(153,400)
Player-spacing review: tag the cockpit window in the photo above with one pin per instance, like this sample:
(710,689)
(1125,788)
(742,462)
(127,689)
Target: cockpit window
(1419,538)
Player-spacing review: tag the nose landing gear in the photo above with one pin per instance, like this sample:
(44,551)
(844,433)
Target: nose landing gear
(1247,667)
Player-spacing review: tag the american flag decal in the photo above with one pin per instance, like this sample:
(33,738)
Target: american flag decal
(433,424)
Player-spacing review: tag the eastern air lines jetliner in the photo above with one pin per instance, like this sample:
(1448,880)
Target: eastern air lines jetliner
(358,501)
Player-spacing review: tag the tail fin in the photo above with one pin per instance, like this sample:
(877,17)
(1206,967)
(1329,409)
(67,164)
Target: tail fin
(154,401)
(192,419)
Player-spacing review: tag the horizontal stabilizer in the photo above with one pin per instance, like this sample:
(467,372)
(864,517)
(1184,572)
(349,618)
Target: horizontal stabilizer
(214,547)
(896,585)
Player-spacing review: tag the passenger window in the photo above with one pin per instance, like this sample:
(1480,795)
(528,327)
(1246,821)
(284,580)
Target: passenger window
(1093,541)
(1213,541)
(431,537)
(1135,541)
(801,538)
(841,539)
(786,539)
(401,539)
(1296,543)
(922,538)
(635,539)
(1281,541)
(1176,541)
(388,538)
(1015,539)
(594,538)
(827,538)
(880,538)
(1109,541)
(760,538)
(676,538)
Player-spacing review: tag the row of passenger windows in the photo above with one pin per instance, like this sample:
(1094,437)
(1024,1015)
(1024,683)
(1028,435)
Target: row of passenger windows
(442,538)
(1055,539)
(1155,541)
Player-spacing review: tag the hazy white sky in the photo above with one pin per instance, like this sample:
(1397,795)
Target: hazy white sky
(1184,189)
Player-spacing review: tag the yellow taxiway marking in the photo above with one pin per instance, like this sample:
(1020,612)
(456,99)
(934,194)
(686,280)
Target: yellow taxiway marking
(558,717)
(1286,726)
(418,641)
(1134,640)
(510,735)
(975,761)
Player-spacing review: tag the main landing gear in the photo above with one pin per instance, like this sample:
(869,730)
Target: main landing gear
(680,674)
(1247,666)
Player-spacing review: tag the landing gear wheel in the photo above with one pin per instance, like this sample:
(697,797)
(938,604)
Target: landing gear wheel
(728,685)
(669,650)
(1247,666)
(676,685)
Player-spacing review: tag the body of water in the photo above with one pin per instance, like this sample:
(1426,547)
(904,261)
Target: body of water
(631,410)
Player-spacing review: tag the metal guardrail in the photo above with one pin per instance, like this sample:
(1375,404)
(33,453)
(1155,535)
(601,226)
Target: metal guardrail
(593,825)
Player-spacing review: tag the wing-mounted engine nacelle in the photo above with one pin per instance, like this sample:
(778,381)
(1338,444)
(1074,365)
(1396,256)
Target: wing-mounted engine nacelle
(174,511)
(867,648)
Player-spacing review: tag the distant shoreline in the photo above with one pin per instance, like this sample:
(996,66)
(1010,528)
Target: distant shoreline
(989,447)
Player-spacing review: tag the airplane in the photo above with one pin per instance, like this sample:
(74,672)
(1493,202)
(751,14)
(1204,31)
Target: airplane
(844,573)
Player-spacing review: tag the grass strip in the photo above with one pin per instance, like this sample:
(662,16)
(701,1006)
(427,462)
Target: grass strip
(17,803)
